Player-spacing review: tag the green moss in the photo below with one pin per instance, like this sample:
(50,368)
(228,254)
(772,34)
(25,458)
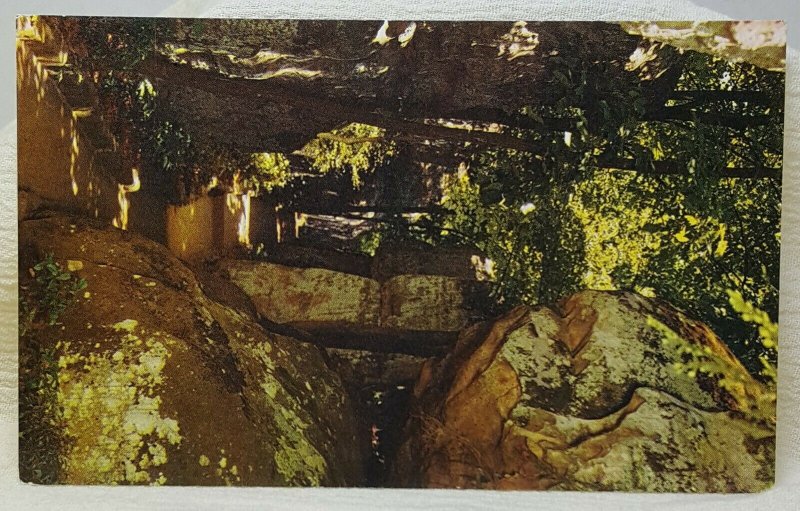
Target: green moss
(226,471)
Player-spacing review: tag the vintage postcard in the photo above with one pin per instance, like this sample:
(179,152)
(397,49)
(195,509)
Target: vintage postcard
(496,255)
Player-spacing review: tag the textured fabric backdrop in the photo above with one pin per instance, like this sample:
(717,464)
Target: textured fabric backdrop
(785,494)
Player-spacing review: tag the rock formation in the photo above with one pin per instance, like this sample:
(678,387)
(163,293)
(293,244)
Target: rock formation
(583,396)
(165,376)
(414,314)
(160,384)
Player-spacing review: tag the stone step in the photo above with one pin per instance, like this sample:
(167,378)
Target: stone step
(48,54)
(296,255)
(285,294)
(392,259)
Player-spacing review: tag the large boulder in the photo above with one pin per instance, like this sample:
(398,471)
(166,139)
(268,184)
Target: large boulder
(397,258)
(432,303)
(584,396)
(159,384)
(286,294)
(319,299)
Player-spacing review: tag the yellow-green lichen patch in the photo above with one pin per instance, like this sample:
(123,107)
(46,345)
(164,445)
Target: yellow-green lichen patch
(297,460)
(696,451)
(111,409)
(226,471)
(539,362)
(622,350)
(127,325)
(280,393)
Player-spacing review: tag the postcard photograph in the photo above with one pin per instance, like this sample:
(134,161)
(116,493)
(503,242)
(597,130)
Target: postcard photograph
(501,255)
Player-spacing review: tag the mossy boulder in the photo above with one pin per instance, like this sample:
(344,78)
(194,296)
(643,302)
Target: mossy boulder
(159,384)
(583,395)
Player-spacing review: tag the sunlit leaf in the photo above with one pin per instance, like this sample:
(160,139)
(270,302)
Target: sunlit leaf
(721,247)
(681,236)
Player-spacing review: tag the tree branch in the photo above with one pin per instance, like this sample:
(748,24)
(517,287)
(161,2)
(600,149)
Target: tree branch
(273,91)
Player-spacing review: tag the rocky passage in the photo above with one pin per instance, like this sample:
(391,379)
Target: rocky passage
(380,385)
(204,352)
(166,376)
(378,329)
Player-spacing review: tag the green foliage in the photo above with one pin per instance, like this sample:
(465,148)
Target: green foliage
(41,446)
(269,170)
(112,43)
(182,164)
(698,360)
(44,299)
(767,333)
(355,148)
(654,235)
(685,237)
(369,242)
(51,292)
(535,246)
(146,135)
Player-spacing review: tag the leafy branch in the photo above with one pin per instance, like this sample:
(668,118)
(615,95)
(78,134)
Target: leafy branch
(696,359)
(52,291)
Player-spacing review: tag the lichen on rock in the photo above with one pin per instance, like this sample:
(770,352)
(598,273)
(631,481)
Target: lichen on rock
(582,396)
(163,385)
(114,427)
(296,459)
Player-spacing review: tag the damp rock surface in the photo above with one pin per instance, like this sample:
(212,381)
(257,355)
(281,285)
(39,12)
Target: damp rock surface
(286,294)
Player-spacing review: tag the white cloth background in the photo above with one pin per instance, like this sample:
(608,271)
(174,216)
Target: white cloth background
(15,495)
